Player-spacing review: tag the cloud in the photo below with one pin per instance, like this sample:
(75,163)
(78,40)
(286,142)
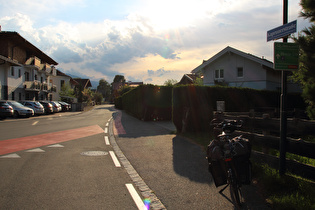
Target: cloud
(144,44)
(158,73)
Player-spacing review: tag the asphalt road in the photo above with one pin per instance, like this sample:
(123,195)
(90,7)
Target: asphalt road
(60,173)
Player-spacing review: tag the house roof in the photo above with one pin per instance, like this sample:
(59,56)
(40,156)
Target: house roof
(188,77)
(229,49)
(85,83)
(18,39)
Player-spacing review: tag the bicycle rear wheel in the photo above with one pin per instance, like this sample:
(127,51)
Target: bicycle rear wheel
(235,191)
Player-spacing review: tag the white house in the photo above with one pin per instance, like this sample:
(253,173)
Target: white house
(235,68)
(59,80)
(24,69)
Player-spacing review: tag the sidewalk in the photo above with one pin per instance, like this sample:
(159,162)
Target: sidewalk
(174,168)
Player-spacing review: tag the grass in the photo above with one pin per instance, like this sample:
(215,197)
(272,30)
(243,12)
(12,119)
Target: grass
(281,192)
(284,192)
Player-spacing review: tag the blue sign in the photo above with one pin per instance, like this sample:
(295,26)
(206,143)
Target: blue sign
(281,31)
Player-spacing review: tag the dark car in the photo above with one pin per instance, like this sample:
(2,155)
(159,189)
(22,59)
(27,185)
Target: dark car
(5,110)
(47,106)
(65,106)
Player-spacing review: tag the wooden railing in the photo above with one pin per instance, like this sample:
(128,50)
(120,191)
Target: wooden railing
(264,133)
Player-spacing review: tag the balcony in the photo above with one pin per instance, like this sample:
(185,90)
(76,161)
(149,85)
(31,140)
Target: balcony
(32,85)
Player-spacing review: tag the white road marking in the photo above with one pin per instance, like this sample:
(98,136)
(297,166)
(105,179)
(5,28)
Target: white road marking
(106,140)
(114,158)
(55,145)
(106,130)
(35,150)
(135,196)
(106,124)
(14,155)
(34,123)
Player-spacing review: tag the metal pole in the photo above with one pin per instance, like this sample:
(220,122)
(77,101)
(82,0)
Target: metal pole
(283,109)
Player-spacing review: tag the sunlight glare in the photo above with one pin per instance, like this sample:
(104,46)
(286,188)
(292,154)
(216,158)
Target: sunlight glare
(165,14)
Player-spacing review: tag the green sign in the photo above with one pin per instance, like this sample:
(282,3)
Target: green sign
(286,56)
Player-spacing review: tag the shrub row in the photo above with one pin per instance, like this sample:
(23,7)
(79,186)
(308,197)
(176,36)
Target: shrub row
(148,102)
(191,107)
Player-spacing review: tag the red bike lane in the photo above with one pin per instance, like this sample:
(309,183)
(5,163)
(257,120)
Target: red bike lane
(29,142)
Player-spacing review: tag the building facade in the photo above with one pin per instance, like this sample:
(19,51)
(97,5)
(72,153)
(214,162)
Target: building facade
(24,69)
(232,67)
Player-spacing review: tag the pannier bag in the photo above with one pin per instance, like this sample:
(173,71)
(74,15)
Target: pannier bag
(243,169)
(218,172)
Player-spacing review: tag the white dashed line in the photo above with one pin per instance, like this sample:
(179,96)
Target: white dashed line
(34,123)
(106,140)
(106,130)
(135,196)
(115,160)
(106,124)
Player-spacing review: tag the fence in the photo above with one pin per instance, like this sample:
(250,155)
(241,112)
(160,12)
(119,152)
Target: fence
(263,131)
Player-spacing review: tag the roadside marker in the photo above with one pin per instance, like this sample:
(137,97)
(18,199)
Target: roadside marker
(14,155)
(106,140)
(55,145)
(135,196)
(114,158)
(35,150)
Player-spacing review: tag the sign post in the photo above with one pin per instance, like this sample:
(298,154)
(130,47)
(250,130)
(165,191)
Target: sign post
(285,58)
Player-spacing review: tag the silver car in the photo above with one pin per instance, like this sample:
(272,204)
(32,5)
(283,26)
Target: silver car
(20,110)
(35,105)
(56,106)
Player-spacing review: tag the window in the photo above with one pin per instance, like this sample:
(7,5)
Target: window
(62,83)
(27,76)
(219,74)
(240,72)
(19,72)
(12,71)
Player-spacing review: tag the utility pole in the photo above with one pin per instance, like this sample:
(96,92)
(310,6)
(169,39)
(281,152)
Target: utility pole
(283,109)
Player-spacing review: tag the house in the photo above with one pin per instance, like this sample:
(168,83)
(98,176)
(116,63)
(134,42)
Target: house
(232,67)
(84,83)
(188,79)
(59,80)
(24,69)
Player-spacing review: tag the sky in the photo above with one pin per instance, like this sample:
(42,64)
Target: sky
(146,41)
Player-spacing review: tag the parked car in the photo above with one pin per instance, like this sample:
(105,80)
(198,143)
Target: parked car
(35,105)
(20,110)
(65,106)
(56,106)
(5,110)
(47,106)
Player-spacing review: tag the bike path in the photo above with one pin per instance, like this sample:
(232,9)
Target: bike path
(173,167)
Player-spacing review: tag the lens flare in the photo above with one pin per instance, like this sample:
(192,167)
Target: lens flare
(146,202)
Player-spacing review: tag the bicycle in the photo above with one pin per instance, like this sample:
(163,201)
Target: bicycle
(234,158)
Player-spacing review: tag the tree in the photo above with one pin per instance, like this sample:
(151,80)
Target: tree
(119,78)
(118,83)
(104,89)
(306,73)
(170,82)
(66,91)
